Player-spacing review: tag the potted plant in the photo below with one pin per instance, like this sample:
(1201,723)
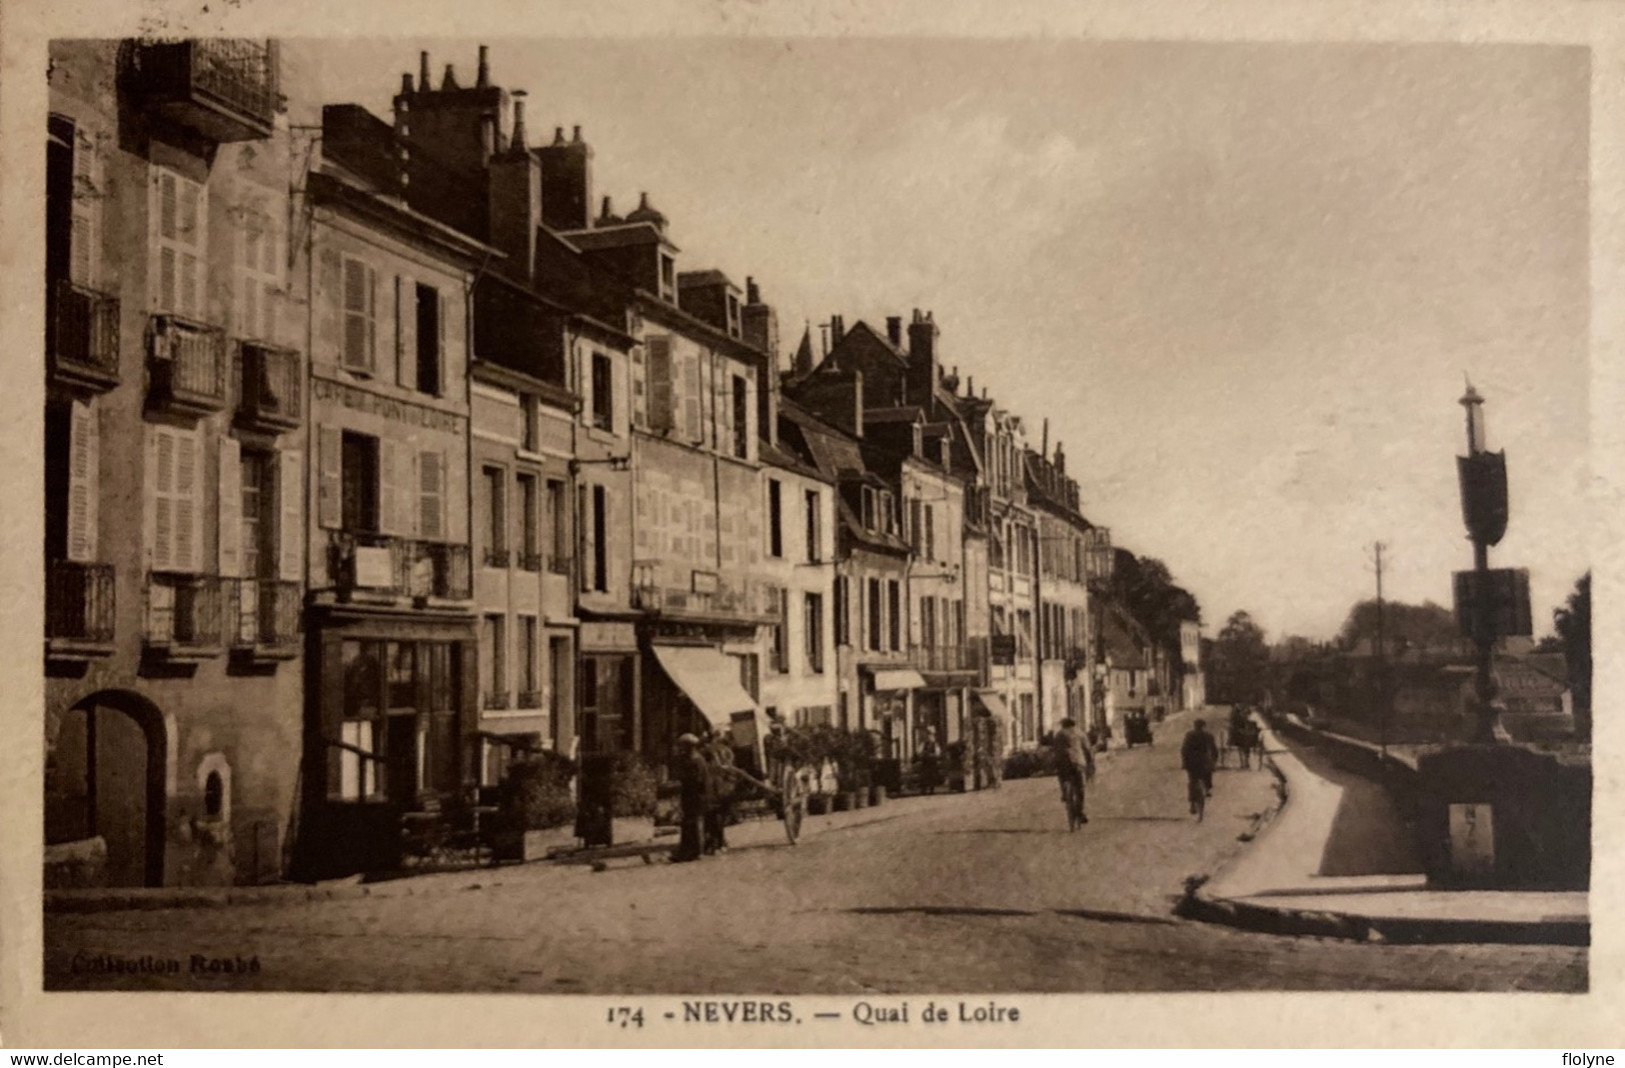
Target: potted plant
(535,806)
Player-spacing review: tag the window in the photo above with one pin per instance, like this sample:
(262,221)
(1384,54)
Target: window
(1024,632)
(812,500)
(559,662)
(529,544)
(869,509)
(595,547)
(914,525)
(875,615)
(603,395)
(888,513)
(894,603)
(259,275)
(843,629)
(359,472)
(258,517)
(930,533)
(431,339)
(668,277)
(529,415)
(928,622)
(606,703)
(781,630)
(741,416)
(733,315)
(493,666)
(179,215)
(360,317)
(359,757)
(176,532)
(528,674)
(558,518)
(815,632)
(493,483)
(775,518)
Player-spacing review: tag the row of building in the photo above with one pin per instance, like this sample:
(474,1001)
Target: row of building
(380,450)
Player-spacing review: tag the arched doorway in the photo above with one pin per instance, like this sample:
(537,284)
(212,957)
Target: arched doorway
(104,777)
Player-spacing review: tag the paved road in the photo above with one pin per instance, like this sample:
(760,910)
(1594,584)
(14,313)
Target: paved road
(963,893)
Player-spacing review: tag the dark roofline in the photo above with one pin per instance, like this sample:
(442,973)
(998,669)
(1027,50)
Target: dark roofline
(329,189)
(499,374)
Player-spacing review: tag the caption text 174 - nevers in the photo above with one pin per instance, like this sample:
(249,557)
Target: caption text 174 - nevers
(865,1013)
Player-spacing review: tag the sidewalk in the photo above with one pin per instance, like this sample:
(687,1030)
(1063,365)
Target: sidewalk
(1333,863)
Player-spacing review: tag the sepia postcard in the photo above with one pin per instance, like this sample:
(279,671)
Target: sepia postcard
(749,524)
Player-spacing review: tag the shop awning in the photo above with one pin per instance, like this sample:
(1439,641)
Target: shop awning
(898,679)
(709,678)
(993,703)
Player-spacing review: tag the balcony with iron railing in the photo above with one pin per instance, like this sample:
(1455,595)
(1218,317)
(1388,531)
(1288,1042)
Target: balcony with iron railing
(264,618)
(942,659)
(529,699)
(384,565)
(223,88)
(81,336)
(270,387)
(79,608)
(496,701)
(743,603)
(184,618)
(187,361)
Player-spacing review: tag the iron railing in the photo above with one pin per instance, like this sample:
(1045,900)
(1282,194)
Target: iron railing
(82,331)
(183,611)
(269,386)
(188,364)
(415,568)
(939,658)
(227,87)
(79,604)
(530,699)
(265,613)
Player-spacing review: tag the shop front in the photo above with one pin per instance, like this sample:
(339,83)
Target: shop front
(392,730)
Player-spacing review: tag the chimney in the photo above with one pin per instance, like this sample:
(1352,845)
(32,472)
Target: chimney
(970,386)
(894,330)
(1060,459)
(752,295)
(403,134)
(837,330)
(922,373)
(406,84)
(516,143)
(759,324)
(449,81)
(1043,450)
(857,404)
(423,73)
(575,138)
(484,77)
(566,182)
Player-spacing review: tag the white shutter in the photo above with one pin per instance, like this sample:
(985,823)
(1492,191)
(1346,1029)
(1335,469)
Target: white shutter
(329,306)
(161,469)
(406,330)
(230,513)
(585,536)
(188,513)
(443,352)
(391,486)
(192,215)
(83,468)
(372,320)
(432,496)
(291,515)
(330,477)
(161,233)
(660,383)
(86,210)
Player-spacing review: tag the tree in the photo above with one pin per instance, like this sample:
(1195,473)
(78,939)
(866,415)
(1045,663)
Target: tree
(1573,622)
(1144,586)
(1423,626)
(1237,672)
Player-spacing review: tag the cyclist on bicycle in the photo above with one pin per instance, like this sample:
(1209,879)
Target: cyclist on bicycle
(1073,760)
(1198,755)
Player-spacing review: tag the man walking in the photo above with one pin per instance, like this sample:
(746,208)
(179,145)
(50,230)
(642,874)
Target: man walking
(694,778)
(1199,755)
(719,758)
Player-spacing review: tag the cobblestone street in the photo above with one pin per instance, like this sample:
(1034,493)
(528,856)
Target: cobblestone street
(959,893)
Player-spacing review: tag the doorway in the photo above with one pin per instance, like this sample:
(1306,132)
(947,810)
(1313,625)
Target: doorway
(104,777)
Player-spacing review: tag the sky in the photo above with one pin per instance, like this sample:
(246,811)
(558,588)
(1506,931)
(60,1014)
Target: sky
(1244,283)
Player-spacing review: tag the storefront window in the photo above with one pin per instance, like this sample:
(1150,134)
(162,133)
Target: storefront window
(358,735)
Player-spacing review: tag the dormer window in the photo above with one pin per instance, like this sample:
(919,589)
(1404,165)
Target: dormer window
(733,315)
(668,278)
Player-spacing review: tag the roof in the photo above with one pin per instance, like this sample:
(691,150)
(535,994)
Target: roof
(628,233)
(343,190)
(711,277)
(1122,645)
(903,414)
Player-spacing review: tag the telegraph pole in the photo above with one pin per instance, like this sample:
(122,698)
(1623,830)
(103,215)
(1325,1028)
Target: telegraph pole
(1382,661)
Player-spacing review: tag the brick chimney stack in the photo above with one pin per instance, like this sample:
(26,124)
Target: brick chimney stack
(894,330)
(566,182)
(923,373)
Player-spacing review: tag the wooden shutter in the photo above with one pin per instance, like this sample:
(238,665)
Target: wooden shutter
(329,305)
(330,477)
(692,428)
(86,200)
(230,511)
(406,318)
(432,495)
(188,510)
(930,533)
(395,476)
(585,528)
(83,474)
(660,383)
(162,226)
(291,515)
(357,301)
(192,222)
(450,334)
(161,506)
